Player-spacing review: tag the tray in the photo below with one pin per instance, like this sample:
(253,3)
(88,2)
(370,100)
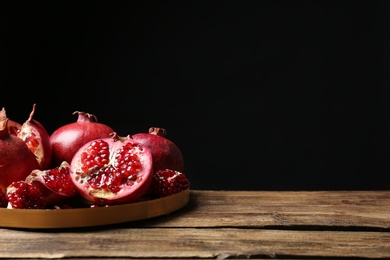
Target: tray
(87,217)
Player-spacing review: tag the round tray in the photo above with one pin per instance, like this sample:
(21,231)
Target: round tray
(87,217)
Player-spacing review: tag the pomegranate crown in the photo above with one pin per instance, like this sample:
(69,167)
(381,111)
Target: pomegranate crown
(158,131)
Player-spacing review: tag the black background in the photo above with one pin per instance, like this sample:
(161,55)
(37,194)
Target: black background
(259,95)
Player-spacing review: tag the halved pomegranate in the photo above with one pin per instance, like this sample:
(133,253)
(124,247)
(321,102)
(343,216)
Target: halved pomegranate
(112,170)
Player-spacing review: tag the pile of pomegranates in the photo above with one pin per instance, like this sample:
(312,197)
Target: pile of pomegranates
(84,164)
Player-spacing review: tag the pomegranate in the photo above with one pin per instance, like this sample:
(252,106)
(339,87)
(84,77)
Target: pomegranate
(167,182)
(67,139)
(166,154)
(22,195)
(113,170)
(55,184)
(16,160)
(37,139)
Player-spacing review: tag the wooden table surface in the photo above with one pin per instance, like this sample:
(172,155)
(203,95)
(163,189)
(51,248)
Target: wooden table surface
(229,224)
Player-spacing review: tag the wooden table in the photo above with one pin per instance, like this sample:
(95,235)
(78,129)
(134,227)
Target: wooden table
(229,224)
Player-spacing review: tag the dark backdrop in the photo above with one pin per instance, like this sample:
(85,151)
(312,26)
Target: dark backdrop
(262,95)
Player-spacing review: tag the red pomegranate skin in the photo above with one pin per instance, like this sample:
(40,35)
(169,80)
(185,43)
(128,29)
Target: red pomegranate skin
(166,154)
(67,139)
(16,160)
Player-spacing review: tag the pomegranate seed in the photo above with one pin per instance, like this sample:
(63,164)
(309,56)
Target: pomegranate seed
(122,171)
(58,179)
(97,154)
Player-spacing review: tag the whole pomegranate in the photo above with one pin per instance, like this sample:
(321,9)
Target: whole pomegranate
(16,159)
(113,170)
(37,139)
(67,139)
(166,154)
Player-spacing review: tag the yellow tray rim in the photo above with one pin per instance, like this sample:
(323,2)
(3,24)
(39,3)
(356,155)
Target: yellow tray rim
(88,217)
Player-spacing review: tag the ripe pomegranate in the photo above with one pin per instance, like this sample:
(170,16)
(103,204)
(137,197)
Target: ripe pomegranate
(37,139)
(166,154)
(16,160)
(167,182)
(55,184)
(113,170)
(22,195)
(67,139)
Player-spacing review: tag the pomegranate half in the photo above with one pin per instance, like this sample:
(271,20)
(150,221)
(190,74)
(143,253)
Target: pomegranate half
(113,170)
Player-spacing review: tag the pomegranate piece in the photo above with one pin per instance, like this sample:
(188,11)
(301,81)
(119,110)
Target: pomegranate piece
(67,139)
(55,184)
(21,195)
(112,170)
(16,160)
(37,139)
(166,154)
(167,182)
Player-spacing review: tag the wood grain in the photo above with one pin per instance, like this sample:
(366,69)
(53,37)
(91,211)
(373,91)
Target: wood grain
(229,224)
(195,243)
(312,209)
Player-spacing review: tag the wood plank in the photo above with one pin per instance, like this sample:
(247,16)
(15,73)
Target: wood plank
(193,243)
(220,224)
(286,209)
